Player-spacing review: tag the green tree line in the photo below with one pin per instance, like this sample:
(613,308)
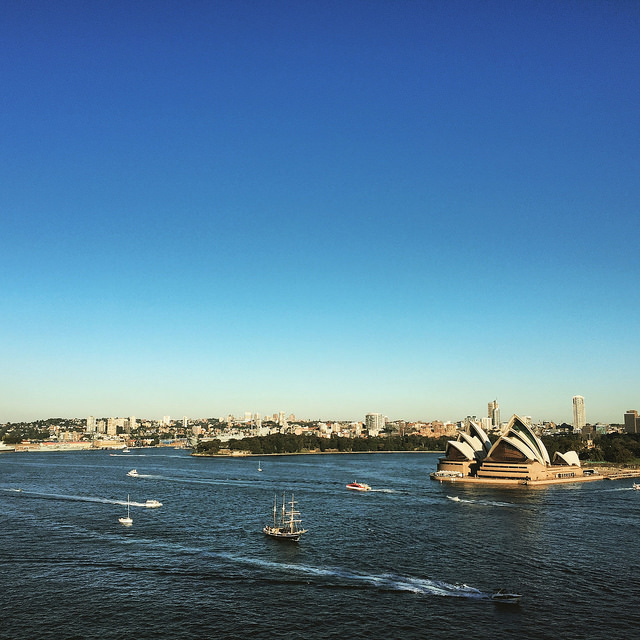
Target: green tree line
(616,448)
(283,443)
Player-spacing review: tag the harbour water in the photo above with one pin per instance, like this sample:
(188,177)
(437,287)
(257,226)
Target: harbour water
(401,561)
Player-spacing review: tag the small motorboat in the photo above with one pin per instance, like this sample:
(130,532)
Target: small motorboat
(636,486)
(502,596)
(152,504)
(358,486)
(133,473)
(454,498)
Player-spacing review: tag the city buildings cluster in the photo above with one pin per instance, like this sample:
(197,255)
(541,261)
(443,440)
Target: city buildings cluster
(132,430)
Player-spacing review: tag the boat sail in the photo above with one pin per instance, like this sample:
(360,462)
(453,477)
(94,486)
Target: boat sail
(128,521)
(286,526)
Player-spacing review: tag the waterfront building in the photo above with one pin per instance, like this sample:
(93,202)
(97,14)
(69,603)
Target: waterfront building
(517,456)
(131,426)
(91,424)
(632,421)
(579,416)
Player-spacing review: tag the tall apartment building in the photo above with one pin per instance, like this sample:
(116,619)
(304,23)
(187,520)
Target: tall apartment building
(375,423)
(112,427)
(632,421)
(493,411)
(579,415)
(91,424)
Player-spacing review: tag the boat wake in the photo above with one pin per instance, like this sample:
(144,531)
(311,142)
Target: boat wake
(486,503)
(382,582)
(57,496)
(225,482)
(129,455)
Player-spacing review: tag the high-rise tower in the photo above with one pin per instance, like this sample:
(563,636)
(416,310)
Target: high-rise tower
(374,423)
(632,421)
(493,410)
(579,416)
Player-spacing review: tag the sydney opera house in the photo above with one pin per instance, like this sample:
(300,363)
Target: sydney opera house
(518,456)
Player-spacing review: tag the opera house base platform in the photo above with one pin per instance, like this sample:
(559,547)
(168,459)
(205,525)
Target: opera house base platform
(516,481)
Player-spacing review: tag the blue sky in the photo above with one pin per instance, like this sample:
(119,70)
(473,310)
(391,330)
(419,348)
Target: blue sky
(325,208)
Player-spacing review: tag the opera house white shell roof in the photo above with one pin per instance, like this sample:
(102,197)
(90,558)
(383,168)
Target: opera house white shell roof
(518,440)
(521,436)
(569,458)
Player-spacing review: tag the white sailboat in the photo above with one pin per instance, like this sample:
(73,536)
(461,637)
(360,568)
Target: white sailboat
(128,521)
(259,466)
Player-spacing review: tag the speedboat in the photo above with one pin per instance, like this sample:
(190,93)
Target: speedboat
(454,498)
(502,596)
(636,486)
(152,504)
(133,473)
(358,486)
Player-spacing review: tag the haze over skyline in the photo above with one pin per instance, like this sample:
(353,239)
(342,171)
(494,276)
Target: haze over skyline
(324,208)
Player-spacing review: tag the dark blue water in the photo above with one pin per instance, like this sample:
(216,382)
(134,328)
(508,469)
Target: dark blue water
(403,561)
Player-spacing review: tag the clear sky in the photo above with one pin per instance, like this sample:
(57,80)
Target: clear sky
(326,208)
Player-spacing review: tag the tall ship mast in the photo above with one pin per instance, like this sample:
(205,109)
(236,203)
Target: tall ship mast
(286,523)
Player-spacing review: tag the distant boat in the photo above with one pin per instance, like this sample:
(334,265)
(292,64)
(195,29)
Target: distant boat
(636,486)
(133,473)
(126,450)
(454,498)
(152,504)
(128,521)
(259,466)
(285,524)
(358,486)
(502,596)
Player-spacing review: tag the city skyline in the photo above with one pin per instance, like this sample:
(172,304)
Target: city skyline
(493,416)
(335,209)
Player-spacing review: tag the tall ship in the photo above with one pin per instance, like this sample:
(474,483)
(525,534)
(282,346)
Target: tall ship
(286,524)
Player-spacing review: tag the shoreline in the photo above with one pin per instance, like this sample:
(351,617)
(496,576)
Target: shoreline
(297,453)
